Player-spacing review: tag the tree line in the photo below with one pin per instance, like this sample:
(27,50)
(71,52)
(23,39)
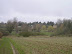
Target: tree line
(64,27)
(15,27)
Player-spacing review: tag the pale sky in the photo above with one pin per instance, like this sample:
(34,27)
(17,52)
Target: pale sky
(35,10)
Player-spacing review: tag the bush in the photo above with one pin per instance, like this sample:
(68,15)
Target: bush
(5,33)
(1,34)
(25,34)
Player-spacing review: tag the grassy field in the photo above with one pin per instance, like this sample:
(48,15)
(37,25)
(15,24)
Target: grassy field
(42,45)
(5,47)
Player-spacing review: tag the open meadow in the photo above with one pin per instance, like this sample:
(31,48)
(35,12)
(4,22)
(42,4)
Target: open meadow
(42,45)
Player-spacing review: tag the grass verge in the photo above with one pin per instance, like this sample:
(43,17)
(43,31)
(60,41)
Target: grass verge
(5,46)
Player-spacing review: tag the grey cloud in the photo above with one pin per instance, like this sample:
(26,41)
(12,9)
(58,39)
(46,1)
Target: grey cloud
(60,8)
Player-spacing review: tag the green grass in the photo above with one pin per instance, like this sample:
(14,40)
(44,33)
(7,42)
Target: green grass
(42,45)
(5,47)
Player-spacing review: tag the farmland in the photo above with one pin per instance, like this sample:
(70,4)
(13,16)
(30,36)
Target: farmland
(42,45)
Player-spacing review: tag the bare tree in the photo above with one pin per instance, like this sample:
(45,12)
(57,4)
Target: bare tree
(24,27)
(15,23)
(59,22)
(9,26)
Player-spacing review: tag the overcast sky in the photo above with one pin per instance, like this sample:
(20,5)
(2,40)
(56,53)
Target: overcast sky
(35,10)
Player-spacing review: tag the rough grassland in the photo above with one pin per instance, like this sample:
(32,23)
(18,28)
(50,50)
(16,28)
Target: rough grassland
(42,45)
(5,47)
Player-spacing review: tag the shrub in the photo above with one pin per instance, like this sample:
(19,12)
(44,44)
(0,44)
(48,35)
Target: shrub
(1,34)
(5,33)
(25,34)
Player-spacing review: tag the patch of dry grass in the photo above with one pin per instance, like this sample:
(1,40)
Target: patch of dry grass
(43,45)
